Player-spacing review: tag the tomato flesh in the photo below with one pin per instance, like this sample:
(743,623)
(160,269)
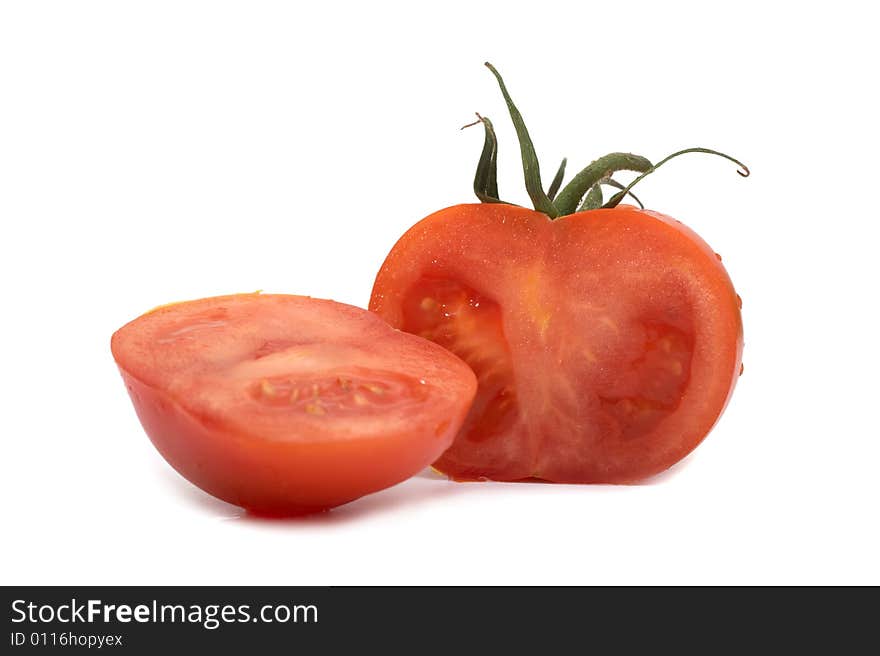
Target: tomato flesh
(469,325)
(287,404)
(606,343)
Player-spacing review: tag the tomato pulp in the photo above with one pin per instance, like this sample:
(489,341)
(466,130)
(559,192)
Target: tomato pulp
(606,343)
(288,404)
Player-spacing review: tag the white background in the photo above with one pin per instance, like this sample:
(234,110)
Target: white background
(158,151)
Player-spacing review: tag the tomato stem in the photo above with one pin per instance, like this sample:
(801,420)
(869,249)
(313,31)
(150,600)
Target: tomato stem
(531,168)
(600,169)
(557,180)
(486,178)
(617,185)
(584,190)
(616,198)
(593,199)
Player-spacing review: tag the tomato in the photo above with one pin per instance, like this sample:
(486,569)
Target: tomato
(606,342)
(606,339)
(288,404)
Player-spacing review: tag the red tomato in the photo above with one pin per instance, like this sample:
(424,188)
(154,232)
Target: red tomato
(606,343)
(288,404)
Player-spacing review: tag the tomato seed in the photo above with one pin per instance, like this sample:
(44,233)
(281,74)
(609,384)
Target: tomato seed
(315,409)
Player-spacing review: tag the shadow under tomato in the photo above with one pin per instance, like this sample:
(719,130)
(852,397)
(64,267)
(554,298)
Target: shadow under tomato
(668,475)
(415,491)
(194,496)
(424,487)
(659,478)
(431,474)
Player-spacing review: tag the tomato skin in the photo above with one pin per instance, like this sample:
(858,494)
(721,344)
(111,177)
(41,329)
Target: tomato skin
(622,337)
(272,479)
(293,467)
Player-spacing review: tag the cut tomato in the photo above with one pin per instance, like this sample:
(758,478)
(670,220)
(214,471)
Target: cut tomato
(288,404)
(606,343)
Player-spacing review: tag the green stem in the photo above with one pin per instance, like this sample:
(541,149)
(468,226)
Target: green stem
(486,178)
(567,200)
(531,168)
(557,180)
(617,185)
(593,200)
(614,201)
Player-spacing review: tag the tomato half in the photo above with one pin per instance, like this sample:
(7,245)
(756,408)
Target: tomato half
(606,343)
(288,404)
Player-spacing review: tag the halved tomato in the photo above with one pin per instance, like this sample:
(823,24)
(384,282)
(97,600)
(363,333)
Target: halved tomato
(288,404)
(606,342)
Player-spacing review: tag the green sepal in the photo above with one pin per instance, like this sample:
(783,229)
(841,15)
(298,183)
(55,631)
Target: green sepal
(486,177)
(593,199)
(531,168)
(614,201)
(557,180)
(567,200)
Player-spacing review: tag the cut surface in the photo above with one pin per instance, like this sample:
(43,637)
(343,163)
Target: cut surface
(278,402)
(605,346)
